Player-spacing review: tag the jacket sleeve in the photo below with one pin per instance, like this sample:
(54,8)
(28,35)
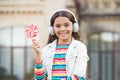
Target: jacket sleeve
(80,64)
(39,72)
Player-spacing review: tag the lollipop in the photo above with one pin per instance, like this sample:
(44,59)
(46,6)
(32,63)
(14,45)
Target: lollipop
(32,31)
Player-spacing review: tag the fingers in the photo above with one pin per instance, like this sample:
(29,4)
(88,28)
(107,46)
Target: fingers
(35,43)
(36,46)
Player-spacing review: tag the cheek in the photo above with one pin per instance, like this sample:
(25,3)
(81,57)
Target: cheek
(71,29)
(56,31)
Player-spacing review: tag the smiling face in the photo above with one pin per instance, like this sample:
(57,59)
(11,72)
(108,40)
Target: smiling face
(63,29)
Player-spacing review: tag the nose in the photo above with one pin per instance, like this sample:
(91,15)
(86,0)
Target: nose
(62,28)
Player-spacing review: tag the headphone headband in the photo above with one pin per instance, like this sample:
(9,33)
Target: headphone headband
(62,10)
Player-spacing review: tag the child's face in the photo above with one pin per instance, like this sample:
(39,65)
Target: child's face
(63,28)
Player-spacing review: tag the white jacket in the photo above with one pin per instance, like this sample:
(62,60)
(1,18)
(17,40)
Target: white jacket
(76,58)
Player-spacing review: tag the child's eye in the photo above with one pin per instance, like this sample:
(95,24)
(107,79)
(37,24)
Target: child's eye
(58,26)
(66,25)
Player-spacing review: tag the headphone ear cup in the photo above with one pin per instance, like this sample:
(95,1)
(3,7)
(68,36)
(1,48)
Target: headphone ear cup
(51,29)
(75,28)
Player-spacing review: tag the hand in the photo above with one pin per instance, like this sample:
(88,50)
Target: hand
(37,49)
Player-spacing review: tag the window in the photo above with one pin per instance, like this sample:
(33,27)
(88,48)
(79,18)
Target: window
(104,52)
(16,55)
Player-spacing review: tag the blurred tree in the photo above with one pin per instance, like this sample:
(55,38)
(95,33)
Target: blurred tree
(3,74)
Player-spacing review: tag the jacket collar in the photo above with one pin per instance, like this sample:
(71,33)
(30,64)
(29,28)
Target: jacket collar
(72,46)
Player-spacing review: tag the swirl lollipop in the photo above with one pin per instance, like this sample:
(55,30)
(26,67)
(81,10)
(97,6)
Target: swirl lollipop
(32,31)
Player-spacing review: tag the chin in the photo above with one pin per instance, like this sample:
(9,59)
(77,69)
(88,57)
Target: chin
(64,38)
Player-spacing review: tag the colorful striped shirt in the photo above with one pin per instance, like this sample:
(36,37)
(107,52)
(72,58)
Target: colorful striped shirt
(59,62)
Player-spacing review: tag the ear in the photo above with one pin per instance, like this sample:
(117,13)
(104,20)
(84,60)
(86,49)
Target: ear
(51,30)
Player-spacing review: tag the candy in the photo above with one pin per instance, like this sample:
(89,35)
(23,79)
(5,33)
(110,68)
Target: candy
(32,31)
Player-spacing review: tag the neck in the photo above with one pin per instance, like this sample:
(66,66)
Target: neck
(68,41)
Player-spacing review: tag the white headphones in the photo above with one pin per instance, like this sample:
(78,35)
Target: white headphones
(75,25)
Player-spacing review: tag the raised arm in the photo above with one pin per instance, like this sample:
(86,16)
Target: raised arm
(39,71)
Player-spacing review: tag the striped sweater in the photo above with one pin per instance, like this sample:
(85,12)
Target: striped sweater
(58,68)
(59,63)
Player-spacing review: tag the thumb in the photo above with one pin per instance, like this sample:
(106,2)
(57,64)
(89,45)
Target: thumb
(33,38)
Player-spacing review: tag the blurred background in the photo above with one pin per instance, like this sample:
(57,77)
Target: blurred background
(99,26)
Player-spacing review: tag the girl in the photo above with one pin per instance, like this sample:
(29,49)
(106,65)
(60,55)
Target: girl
(65,56)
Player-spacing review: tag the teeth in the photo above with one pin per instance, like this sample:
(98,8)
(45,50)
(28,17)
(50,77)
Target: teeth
(62,33)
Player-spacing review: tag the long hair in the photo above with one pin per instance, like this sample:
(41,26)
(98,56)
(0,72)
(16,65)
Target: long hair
(68,15)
